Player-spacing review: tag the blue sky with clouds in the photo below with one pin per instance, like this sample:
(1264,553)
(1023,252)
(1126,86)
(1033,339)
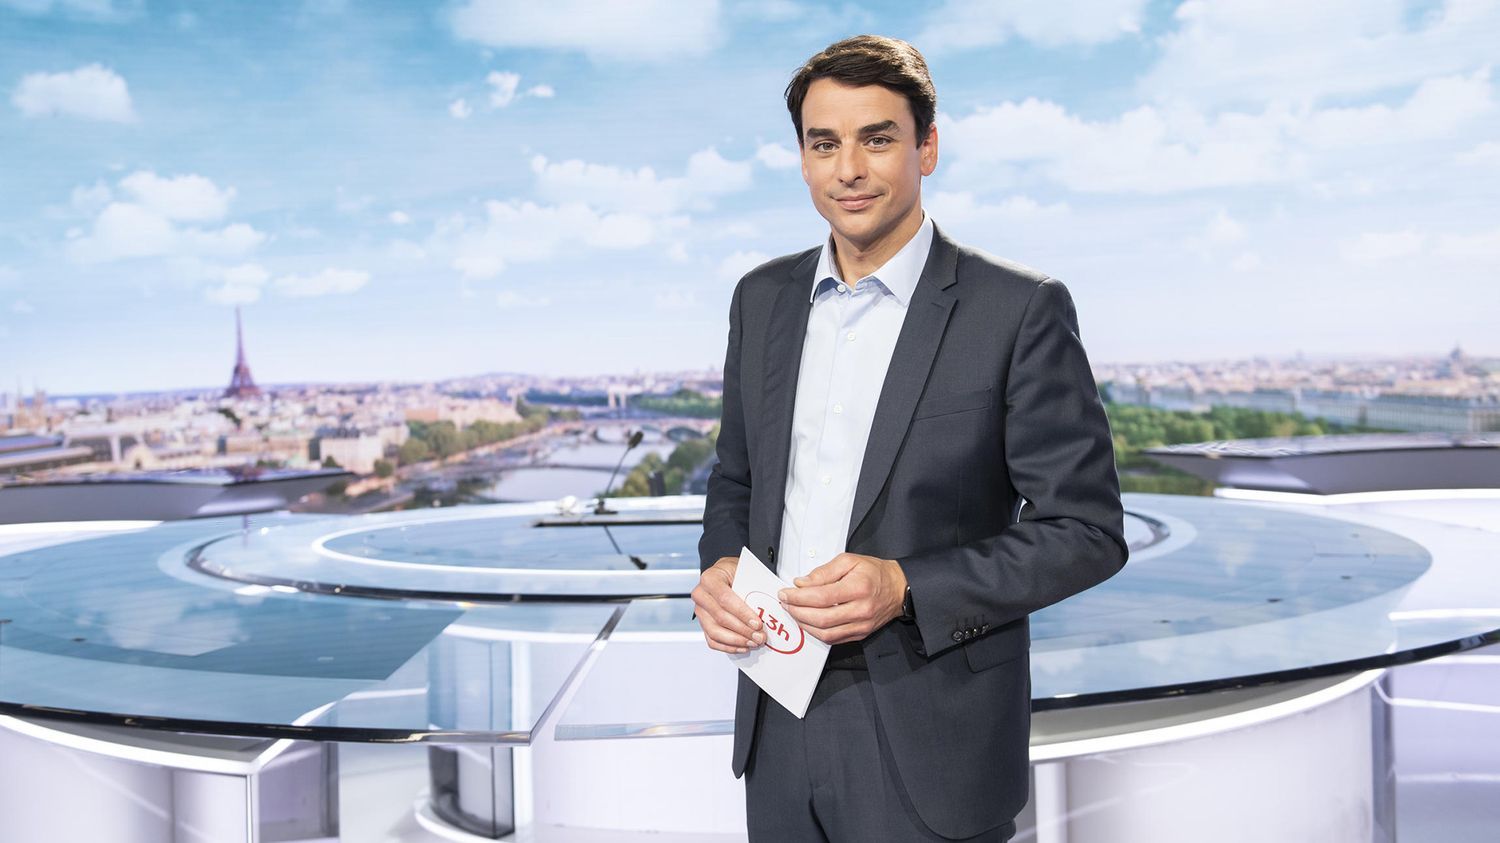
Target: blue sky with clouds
(415,191)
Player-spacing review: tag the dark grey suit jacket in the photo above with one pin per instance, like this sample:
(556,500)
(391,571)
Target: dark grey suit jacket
(988,400)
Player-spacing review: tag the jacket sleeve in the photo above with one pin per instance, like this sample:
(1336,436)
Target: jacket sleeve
(1060,457)
(726,509)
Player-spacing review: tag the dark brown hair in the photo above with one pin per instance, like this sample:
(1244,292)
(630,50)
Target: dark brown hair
(869,60)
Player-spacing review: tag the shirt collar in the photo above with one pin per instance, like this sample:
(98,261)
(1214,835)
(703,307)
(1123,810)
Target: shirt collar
(899,274)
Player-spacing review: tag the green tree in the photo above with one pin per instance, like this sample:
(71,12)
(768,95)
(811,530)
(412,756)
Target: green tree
(414,450)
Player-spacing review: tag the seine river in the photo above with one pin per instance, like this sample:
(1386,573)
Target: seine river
(527,483)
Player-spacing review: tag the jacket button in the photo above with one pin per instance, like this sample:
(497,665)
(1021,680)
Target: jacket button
(770,554)
(958,636)
(985,628)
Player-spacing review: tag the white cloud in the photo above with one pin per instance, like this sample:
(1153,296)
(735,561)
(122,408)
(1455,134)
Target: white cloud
(502,87)
(1373,247)
(239,284)
(735,265)
(1237,51)
(399,218)
(644,30)
(460,109)
(22,307)
(1145,149)
(406,250)
(1486,153)
(347,203)
(1176,147)
(1483,247)
(187,198)
(100,11)
(520,232)
(89,200)
(510,299)
(962,207)
(127,230)
(151,222)
(604,186)
(777,156)
(328,282)
(541,91)
(714,174)
(1245,262)
(966,24)
(92,92)
(1223,229)
(1436,109)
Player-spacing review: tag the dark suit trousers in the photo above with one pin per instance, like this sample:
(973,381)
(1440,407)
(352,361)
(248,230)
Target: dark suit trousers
(829,778)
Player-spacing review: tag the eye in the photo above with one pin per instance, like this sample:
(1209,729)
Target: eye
(885,141)
(818,147)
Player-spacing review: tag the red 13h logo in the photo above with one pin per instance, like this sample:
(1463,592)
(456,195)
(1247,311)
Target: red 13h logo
(783,635)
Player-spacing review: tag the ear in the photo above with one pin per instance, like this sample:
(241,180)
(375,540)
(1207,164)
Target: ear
(929,150)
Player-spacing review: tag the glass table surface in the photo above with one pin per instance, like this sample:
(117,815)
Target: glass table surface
(124,627)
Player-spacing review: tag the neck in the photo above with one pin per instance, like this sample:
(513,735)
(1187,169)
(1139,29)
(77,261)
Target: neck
(856,260)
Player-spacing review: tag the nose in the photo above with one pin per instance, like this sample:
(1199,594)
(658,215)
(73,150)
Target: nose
(851,164)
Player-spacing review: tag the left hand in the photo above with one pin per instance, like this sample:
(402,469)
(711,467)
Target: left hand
(847,598)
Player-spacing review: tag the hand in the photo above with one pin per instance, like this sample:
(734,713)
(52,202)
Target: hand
(847,598)
(728,622)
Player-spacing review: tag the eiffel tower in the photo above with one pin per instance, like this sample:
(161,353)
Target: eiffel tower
(241,385)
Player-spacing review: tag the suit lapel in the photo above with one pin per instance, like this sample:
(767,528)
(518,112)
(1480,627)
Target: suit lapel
(911,364)
(785,332)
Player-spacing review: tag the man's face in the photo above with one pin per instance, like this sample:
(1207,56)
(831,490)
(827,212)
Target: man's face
(861,158)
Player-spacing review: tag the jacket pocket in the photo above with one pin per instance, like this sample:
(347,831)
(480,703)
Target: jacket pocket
(988,651)
(944,403)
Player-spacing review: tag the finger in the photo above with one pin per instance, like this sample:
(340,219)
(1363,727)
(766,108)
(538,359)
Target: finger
(838,634)
(733,612)
(821,596)
(846,613)
(830,571)
(726,640)
(729,630)
(728,609)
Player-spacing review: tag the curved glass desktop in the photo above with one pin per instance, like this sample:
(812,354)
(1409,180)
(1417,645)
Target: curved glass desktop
(484,624)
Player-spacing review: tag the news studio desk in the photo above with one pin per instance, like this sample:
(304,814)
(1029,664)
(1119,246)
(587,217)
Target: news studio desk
(1232,683)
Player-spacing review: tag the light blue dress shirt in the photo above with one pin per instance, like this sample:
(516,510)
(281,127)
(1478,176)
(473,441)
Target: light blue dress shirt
(851,334)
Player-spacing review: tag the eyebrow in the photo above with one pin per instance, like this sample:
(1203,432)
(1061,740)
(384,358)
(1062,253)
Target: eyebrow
(886,126)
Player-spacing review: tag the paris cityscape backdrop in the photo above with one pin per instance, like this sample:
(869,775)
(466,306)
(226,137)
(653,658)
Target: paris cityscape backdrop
(459,230)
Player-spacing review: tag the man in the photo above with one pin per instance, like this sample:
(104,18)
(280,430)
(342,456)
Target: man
(889,399)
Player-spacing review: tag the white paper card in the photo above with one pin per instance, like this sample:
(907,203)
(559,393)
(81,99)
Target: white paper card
(788,664)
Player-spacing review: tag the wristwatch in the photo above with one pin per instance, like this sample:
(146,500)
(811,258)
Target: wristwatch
(908,611)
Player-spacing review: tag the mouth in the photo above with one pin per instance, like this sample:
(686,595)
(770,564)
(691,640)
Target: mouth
(855,203)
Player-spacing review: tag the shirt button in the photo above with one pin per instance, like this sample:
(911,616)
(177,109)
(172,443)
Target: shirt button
(843,288)
(827,479)
(812,554)
(838,408)
(851,336)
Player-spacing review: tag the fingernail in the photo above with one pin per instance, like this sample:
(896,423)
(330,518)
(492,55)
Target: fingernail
(758,637)
(781,595)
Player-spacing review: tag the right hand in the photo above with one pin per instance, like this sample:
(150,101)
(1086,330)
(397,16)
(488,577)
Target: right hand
(729,624)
